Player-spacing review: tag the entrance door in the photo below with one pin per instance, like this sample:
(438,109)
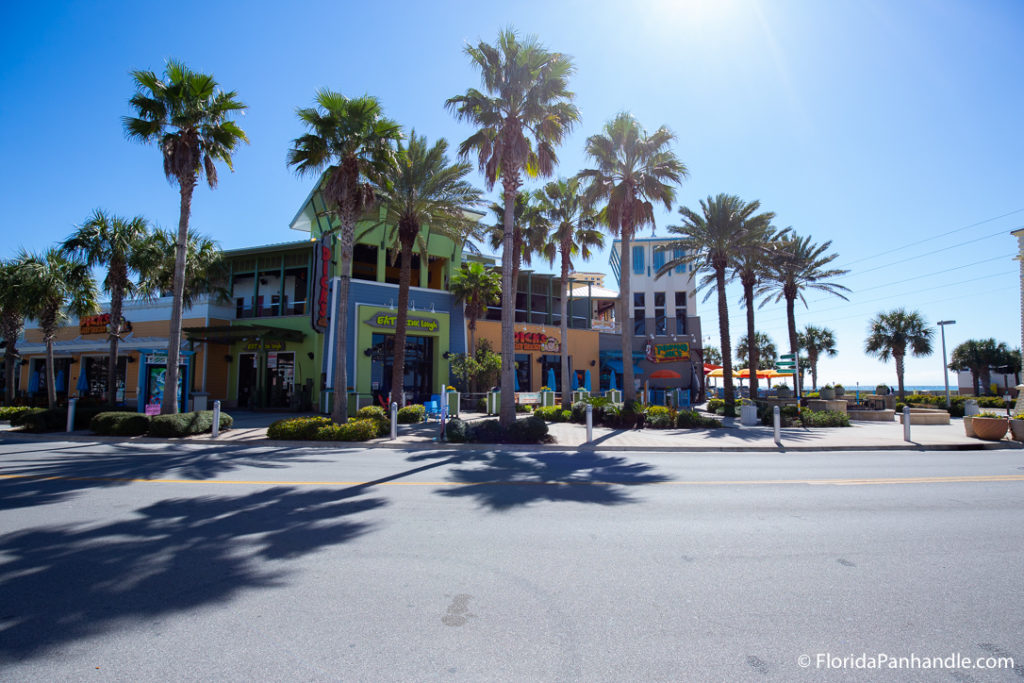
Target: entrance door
(247,380)
(280,378)
(418,381)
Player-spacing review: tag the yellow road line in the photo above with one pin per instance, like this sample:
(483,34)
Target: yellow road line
(740,482)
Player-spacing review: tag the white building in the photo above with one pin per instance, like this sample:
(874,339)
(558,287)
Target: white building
(660,306)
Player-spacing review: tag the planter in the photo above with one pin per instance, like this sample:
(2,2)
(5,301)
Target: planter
(547,399)
(493,402)
(453,403)
(783,391)
(827,394)
(580,395)
(614,395)
(990,428)
(968,425)
(1017,430)
(840,391)
(748,415)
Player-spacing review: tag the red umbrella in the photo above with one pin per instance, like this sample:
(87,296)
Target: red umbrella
(664,374)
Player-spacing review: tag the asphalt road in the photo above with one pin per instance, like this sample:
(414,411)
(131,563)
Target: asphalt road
(218,562)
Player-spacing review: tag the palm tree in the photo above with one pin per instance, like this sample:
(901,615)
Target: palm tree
(59,286)
(725,225)
(633,170)
(352,140)
(523,115)
(817,341)
(15,301)
(892,334)
(529,236)
(748,266)
(799,265)
(478,287)
(574,232)
(763,351)
(979,356)
(206,271)
(119,244)
(187,115)
(422,189)
(712,355)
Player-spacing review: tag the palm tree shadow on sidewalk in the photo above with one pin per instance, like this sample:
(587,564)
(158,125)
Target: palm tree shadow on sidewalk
(509,480)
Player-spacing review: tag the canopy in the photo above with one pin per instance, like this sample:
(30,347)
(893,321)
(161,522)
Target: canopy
(665,374)
(616,365)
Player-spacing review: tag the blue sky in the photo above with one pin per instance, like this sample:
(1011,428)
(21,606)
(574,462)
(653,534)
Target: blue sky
(881,126)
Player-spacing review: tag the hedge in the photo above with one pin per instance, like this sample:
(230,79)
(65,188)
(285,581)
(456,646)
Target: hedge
(40,420)
(529,430)
(119,424)
(691,419)
(8,412)
(456,430)
(379,417)
(353,430)
(186,424)
(297,428)
(660,417)
(412,414)
(824,418)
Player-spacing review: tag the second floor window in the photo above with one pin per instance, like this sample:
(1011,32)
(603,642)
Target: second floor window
(680,312)
(660,320)
(678,254)
(638,260)
(659,260)
(639,314)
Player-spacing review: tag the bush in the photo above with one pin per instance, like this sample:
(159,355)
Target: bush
(824,418)
(487,431)
(567,415)
(787,416)
(119,424)
(530,430)
(456,430)
(8,412)
(481,405)
(353,430)
(690,419)
(40,420)
(186,424)
(714,404)
(551,414)
(610,415)
(380,418)
(412,414)
(523,409)
(297,428)
(660,417)
(579,412)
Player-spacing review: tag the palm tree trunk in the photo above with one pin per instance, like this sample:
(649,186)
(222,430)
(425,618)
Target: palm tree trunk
(625,266)
(169,404)
(472,381)
(398,357)
(10,356)
(899,374)
(753,353)
(339,406)
(507,412)
(51,386)
(814,371)
(723,331)
(564,325)
(794,344)
(116,299)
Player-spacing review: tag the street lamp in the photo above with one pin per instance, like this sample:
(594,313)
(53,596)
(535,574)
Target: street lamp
(945,370)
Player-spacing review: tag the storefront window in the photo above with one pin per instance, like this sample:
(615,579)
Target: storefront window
(95,369)
(418,383)
(552,364)
(523,370)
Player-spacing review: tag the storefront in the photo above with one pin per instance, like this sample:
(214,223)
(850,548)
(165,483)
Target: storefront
(538,354)
(660,366)
(152,376)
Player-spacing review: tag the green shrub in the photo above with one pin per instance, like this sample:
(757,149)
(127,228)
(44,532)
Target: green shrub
(487,431)
(523,408)
(714,404)
(481,405)
(119,424)
(989,414)
(353,430)
(824,418)
(691,419)
(456,430)
(579,412)
(566,416)
(8,412)
(551,413)
(378,415)
(297,428)
(660,417)
(610,415)
(787,416)
(186,424)
(531,430)
(38,420)
(412,414)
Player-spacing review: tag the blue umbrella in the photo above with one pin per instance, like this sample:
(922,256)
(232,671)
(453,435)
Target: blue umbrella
(586,380)
(515,376)
(575,381)
(83,381)
(611,382)
(551,379)
(60,381)
(33,381)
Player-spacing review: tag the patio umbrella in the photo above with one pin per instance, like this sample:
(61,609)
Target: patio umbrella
(551,379)
(710,367)
(611,382)
(515,376)
(60,381)
(586,380)
(83,381)
(33,381)
(575,381)
(665,374)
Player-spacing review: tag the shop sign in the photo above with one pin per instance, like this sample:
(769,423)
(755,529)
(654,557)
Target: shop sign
(94,324)
(267,346)
(528,397)
(272,359)
(322,253)
(536,341)
(667,353)
(156,359)
(386,320)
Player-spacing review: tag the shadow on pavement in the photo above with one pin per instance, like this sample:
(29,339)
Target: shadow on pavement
(64,583)
(510,480)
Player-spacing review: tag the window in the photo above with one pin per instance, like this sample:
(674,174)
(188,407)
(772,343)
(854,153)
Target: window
(677,254)
(639,314)
(638,260)
(243,289)
(680,312)
(660,320)
(659,259)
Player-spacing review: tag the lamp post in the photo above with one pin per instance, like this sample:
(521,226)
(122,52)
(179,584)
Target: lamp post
(945,370)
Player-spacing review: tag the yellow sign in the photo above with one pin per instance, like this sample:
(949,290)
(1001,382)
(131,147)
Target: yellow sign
(389,320)
(668,353)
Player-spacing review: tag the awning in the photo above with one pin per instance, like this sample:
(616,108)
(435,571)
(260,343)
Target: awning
(616,365)
(229,334)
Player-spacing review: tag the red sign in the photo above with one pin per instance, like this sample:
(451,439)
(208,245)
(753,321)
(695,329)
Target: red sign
(322,253)
(94,324)
(536,341)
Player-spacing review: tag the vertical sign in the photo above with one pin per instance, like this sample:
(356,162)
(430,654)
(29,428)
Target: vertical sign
(322,255)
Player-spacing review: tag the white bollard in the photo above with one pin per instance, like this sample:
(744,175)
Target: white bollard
(394,421)
(590,423)
(216,420)
(71,414)
(906,423)
(777,421)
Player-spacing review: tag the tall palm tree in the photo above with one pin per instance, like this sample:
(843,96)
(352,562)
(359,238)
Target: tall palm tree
(979,356)
(748,266)
(477,287)
(764,352)
(422,193)
(725,225)
(59,285)
(799,265)
(574,232)
(206,271)
(352,140)
(15,302)
(523,114)
(188,116)
(529,236)
(120,245)
(632,170)
(817,341)
(894,333)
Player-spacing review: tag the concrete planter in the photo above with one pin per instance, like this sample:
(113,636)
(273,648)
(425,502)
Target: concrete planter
(614,395)
(453,403)
(547,399)
(748,415)
(990,428)
(968,425)
(1017,430)
(579,395)
(827,394)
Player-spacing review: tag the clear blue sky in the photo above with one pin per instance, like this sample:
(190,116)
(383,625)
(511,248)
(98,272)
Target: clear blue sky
(878,125)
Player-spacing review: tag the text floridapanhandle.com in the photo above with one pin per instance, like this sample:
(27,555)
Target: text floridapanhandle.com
(881,660)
